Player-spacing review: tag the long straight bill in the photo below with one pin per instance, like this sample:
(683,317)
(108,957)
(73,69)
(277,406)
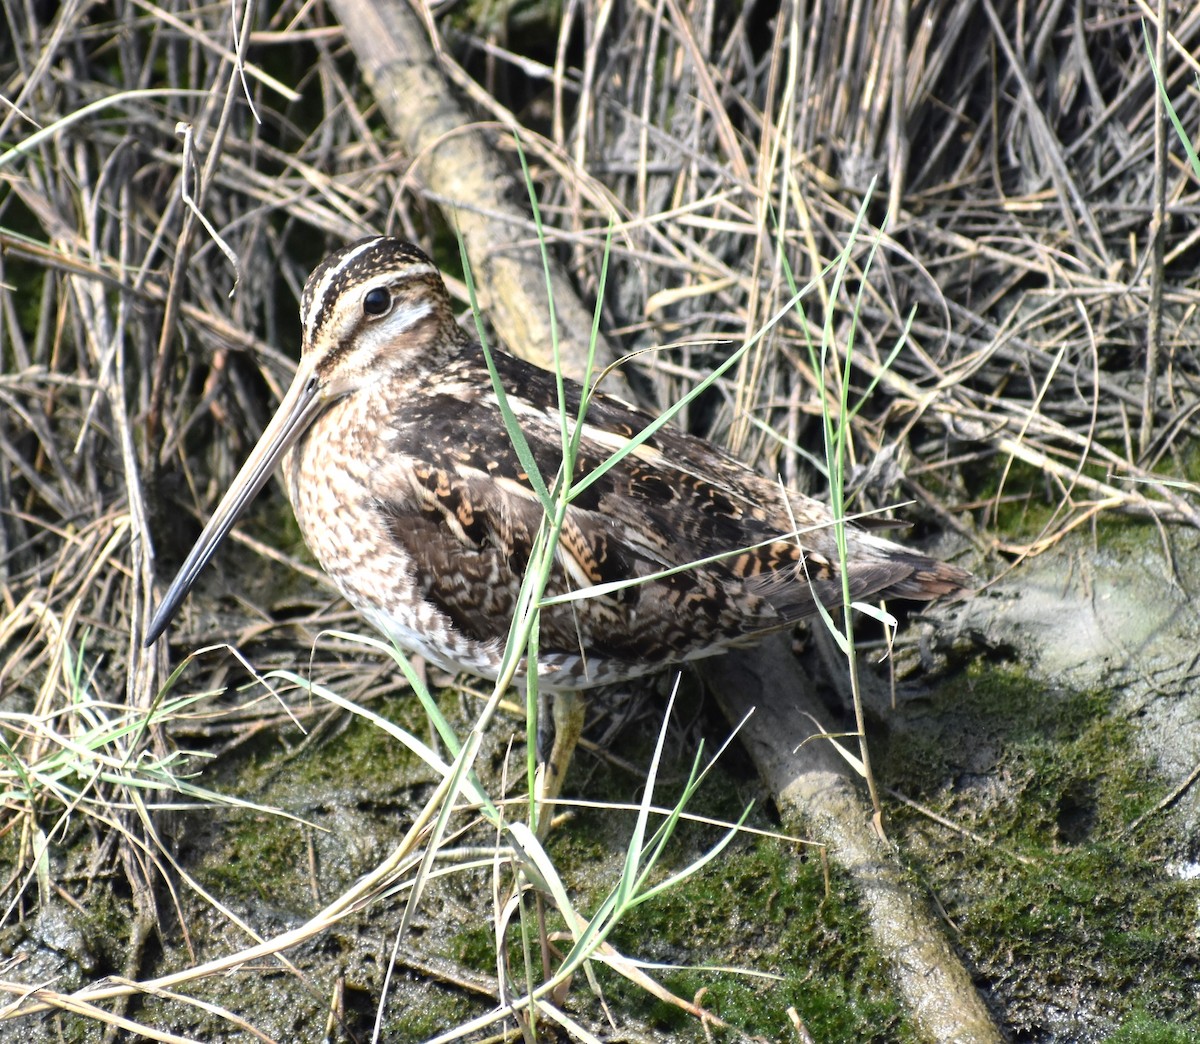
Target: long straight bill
(299,407)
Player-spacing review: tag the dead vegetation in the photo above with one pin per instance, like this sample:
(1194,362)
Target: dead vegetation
(170,177)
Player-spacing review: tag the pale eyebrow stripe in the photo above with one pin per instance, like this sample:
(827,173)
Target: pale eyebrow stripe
(319,291)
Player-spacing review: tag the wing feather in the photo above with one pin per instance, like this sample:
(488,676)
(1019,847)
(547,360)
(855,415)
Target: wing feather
(460,501)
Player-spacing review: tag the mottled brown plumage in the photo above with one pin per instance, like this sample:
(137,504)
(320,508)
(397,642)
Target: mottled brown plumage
(411,497)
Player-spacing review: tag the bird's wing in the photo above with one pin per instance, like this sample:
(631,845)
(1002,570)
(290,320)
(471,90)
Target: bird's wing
(453,491)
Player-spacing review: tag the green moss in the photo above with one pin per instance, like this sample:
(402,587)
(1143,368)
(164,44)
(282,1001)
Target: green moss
(1029,501)
(765,897)
(258,860)
(104,922)
(760,905)
(1064,900)
(339,786)
(1050,778)
(1141,1028)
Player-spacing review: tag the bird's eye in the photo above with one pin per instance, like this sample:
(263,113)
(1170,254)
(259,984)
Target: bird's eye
(377,301)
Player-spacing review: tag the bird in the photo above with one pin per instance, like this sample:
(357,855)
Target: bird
(412,498)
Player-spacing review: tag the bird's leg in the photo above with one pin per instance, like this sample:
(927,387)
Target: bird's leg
(569,710)
(545,730)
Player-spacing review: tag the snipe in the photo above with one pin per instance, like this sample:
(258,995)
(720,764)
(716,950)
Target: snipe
(408,492)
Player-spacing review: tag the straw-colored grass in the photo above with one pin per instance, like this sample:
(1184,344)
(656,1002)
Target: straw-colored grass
(1001,335)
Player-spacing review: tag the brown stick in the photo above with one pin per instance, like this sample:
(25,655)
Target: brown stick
(482,193)
(815,787)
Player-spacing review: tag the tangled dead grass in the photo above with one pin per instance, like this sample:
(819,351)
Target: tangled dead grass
(170,178)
